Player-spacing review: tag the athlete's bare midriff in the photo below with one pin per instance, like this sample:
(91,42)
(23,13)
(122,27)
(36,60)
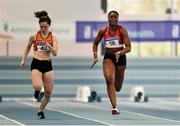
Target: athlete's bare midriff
(112,50)
(42,55)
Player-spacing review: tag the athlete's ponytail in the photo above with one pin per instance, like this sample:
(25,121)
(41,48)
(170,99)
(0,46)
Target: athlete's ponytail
(43,16)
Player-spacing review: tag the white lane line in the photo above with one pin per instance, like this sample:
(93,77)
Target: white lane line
(161,104)
(155,117)
(81,117)
(98,121)
(103,108)
(19,123)
(149,106)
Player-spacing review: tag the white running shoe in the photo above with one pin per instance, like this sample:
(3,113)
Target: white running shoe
(115,111)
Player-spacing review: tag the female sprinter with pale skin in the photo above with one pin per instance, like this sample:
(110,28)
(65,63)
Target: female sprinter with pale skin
(117,44)
(44,44)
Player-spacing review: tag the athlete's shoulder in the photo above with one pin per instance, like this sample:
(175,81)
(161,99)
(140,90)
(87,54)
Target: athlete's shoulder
(54,35)
(33,36)
(102,30)
(121,28)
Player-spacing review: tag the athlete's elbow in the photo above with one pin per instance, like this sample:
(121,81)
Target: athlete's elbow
(55,54)
(128,49)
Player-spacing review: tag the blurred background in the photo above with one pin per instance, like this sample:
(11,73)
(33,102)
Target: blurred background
(153,27)
(18,22)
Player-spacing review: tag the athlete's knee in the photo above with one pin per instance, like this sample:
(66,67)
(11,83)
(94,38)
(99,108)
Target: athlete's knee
(118,86)
(109,80)
(37,87)
(47,94)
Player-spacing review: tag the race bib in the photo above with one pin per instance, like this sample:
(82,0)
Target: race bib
(112,43)
(41,46)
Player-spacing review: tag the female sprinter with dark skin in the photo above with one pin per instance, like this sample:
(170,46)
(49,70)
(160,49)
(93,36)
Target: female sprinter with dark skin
(117,44)
(44,44)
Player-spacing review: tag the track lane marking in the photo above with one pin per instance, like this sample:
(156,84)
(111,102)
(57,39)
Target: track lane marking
(12,120)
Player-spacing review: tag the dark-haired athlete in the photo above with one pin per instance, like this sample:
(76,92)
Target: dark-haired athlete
(117,44)
(44,44)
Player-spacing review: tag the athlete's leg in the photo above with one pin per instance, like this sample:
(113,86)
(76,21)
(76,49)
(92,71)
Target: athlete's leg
(109,74)
(48,82)
(37,82)
(119,77)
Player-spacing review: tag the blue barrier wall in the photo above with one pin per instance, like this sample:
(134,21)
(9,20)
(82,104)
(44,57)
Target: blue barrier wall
(137,30)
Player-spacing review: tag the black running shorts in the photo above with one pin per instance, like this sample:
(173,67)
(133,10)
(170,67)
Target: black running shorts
(42,65)
(121,61)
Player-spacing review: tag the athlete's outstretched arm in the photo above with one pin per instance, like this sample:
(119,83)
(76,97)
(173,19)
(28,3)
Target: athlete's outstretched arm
(95,46)
(26,51)
(126,41)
